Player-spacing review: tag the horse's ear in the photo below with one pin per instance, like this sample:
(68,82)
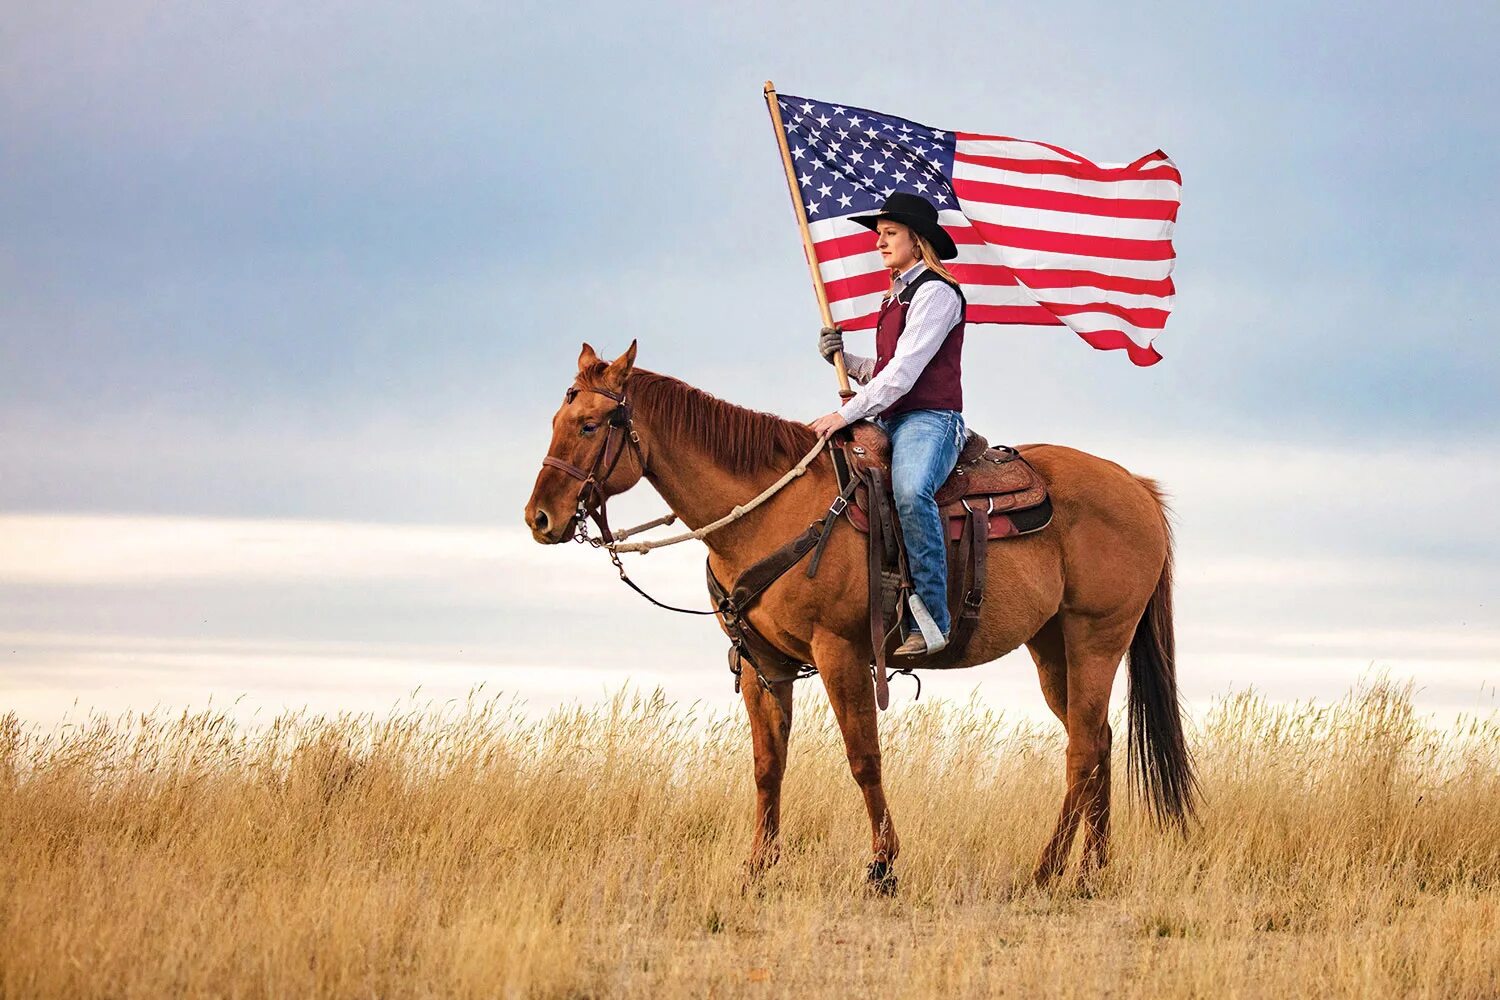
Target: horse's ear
(586,357)
(619,368)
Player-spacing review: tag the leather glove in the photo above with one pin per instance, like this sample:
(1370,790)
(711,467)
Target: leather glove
(830,342)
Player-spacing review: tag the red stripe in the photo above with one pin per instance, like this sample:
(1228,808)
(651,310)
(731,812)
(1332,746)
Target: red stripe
(1058,201)
(868,283)
(1066,168)
(1146,319)
(999,275)
(1025,315)
(844,246)
(1072,243)
(1065,278)
(983,274)
(865,322)
(1114,340)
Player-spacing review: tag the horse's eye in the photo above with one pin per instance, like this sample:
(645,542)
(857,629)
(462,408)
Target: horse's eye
(590,427)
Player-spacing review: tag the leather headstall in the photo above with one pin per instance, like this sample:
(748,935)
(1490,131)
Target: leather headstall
(591,495)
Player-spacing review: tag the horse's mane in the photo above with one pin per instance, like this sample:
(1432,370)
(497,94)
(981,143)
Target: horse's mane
(739,438)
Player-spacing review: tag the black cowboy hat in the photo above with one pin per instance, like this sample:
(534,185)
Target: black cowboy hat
(917,212)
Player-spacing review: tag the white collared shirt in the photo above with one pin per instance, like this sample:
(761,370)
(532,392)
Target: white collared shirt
(935,309)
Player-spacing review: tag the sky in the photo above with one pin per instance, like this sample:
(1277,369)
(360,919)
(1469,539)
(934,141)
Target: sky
(289,293)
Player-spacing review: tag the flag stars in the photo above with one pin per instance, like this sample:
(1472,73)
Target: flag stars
(799,152)
(806,180)
(807,109)
(938,134)
(823,120)
(812,207)
(921,187)
(825,190)
(845,201)
(855,122)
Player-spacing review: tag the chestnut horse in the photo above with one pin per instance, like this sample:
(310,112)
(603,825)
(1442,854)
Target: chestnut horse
(1095,585)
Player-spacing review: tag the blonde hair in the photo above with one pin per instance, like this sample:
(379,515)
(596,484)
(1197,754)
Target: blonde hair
(930,258)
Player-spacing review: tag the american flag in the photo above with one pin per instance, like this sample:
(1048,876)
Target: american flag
(1046,238)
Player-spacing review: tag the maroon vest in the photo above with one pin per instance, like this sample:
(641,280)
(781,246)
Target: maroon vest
(940,386)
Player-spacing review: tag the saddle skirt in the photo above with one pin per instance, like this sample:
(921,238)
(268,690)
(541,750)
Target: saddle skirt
(993,480)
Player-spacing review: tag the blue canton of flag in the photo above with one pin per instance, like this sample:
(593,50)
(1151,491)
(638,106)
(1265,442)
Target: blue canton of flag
(849,160)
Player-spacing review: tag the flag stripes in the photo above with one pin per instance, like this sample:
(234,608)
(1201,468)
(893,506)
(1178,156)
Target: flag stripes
(1046,238)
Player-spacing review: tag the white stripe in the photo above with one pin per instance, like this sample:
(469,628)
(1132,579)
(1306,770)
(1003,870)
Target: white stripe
(998,295)
(1041,260)
(977,295)
(858,306)
(839,226)
(1082,295)
(1154,190)
(1011,149)
(1094,322)
(1022,328)
(1070,223)
(868,263)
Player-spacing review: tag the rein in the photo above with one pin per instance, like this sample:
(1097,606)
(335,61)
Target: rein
(591,500)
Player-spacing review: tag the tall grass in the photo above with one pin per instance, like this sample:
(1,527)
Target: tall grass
(1344,850)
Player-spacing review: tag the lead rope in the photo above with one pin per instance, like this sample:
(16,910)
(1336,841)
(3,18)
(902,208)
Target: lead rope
(703,532)
(614,548)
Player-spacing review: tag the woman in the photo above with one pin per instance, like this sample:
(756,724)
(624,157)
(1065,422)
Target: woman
(912,389)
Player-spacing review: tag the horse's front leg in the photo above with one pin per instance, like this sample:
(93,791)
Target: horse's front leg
(770,727)
(851,692)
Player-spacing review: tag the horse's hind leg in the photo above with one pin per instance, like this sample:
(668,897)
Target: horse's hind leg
(1094,650)
(1049,654)
(770,728)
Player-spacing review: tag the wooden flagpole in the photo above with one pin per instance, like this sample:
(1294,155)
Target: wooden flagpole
(807,245)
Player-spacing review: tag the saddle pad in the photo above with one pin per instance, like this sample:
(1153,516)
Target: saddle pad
(1004,525)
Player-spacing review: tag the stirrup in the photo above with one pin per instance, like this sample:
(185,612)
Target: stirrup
(933,638)
(915,645)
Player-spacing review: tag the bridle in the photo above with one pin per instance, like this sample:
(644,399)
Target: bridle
(590,502)
(591,498)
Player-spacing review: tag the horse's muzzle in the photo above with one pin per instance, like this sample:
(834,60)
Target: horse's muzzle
(548,530)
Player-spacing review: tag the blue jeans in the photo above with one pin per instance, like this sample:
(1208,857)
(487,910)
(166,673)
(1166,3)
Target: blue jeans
(924,449)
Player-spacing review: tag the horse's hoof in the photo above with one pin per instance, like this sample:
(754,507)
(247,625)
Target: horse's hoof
(881,879)
(1047,871)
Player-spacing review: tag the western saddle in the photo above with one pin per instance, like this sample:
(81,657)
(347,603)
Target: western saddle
(992,493)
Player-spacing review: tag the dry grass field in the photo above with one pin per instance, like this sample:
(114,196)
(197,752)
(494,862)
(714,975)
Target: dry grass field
(1343,851)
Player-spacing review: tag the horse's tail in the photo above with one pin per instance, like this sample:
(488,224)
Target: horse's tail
(1158,760)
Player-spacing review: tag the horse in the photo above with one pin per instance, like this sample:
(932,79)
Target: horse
(1091,589)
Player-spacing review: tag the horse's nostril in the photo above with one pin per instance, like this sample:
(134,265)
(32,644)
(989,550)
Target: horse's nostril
(540,520)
